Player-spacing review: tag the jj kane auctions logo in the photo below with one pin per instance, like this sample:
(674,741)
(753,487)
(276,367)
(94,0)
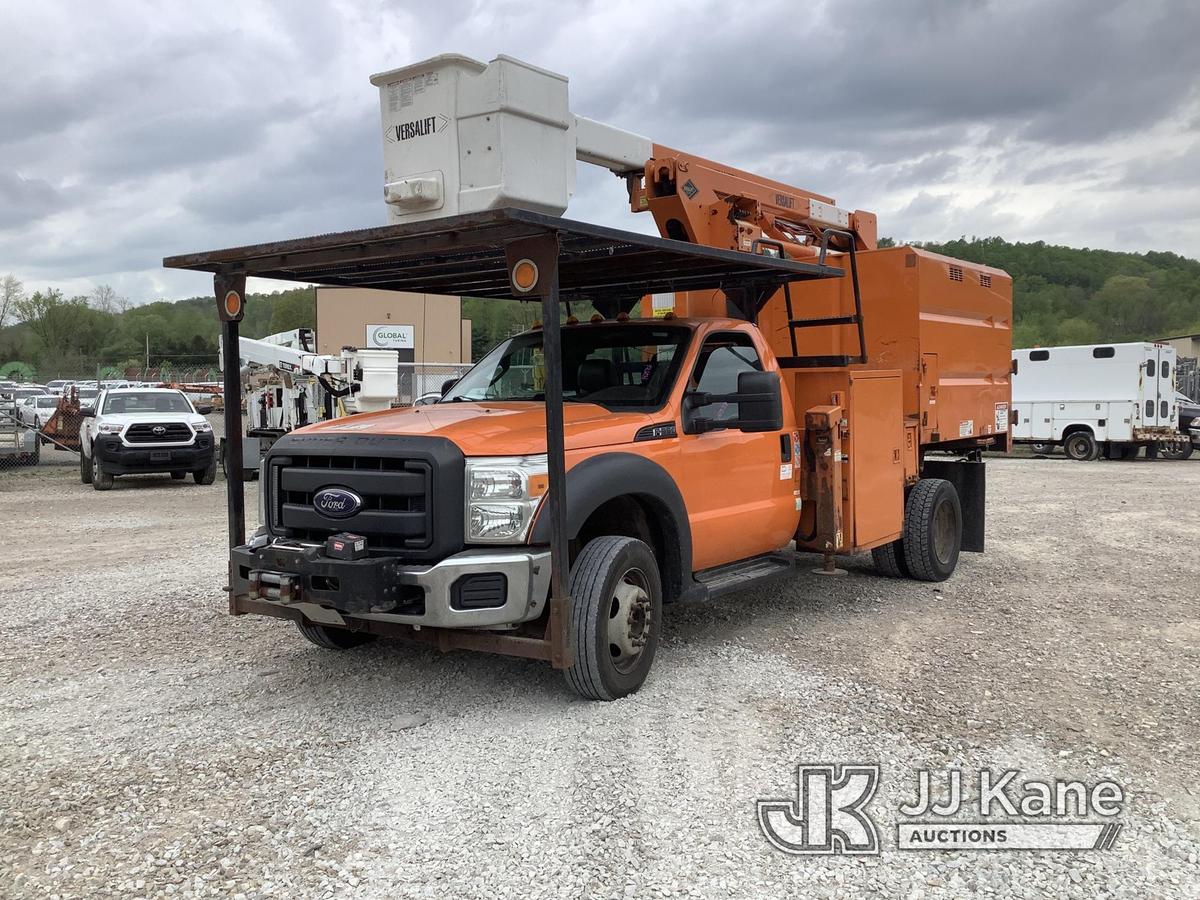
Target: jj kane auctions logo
(829,813)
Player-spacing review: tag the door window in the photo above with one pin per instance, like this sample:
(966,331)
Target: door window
(722,358)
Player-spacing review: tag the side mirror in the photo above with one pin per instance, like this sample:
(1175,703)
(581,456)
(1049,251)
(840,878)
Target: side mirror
(760,407)
(759,399)
(88,412)
(447,384)
(204,408)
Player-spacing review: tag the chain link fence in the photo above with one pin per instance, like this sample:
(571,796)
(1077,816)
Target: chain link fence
(20,443)
(94,372)
(426,379)
(23,445)
(1187,377)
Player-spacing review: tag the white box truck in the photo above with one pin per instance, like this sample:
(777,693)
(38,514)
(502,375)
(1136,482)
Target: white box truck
(1108,399)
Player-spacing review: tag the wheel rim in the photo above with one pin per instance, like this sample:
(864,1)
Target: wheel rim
(1078,447)
(943,532)
(629,622)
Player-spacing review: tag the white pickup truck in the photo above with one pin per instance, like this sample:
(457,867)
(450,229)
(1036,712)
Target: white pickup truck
(134,430)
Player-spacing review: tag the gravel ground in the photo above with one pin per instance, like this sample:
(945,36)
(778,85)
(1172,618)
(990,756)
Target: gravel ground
(151,745)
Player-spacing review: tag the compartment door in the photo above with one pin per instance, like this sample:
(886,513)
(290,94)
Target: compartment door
(929,395)
(876,455)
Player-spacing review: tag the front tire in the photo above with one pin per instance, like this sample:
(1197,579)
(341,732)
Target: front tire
(85,468)
(932,530)
(1042,449)
(615,617)
(207,476)
(1080,446)
(332,638)
(101,480)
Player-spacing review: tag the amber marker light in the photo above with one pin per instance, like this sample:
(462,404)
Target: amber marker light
(233,304)
(525,275)
(539,484)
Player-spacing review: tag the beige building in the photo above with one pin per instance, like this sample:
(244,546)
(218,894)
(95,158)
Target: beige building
(425,328)
(1185,345)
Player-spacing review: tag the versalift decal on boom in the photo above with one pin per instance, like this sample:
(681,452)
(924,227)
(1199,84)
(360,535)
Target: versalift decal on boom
(417,128)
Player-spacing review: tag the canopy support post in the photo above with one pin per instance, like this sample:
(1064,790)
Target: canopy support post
(230,291)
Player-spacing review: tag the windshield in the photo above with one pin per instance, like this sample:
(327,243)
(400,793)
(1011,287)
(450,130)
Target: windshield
(146,402)
(618,366)
(45,402)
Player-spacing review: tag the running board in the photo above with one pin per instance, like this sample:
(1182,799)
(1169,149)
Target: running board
(746,573)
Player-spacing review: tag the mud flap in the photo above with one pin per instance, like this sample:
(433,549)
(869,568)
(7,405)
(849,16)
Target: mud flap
(969,480)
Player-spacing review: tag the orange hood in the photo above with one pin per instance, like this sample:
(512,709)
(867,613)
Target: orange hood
(497,429)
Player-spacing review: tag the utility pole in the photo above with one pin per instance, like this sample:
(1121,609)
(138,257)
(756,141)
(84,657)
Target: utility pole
(147,351)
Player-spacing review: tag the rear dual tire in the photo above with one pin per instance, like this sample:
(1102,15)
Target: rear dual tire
(1177,449)
(932,535)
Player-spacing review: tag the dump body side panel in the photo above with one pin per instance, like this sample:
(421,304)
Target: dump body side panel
(966,319)
(916,304)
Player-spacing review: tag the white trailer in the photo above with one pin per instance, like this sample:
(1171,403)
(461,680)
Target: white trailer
(1094,399)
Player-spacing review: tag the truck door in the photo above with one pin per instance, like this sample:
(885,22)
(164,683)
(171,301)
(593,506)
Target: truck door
(1166,388)
(1153,415)
(739,491)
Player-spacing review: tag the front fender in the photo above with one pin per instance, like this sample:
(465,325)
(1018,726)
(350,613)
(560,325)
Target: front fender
(605,477)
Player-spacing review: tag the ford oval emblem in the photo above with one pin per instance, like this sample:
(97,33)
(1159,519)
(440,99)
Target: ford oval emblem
(336,502)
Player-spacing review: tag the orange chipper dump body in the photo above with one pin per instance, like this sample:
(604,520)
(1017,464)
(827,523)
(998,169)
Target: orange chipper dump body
(935,341)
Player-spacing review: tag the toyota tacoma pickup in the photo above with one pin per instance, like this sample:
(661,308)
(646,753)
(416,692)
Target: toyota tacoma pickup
(134,431)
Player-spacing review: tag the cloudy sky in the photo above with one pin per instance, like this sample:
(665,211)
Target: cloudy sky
(133,130)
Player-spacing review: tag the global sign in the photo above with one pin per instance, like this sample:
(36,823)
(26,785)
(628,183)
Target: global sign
(390,337)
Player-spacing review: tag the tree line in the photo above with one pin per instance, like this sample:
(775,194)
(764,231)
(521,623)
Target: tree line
(1061,295)
(74,337)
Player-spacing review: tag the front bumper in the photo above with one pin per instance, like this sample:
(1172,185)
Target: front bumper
(470,589)
(121,459)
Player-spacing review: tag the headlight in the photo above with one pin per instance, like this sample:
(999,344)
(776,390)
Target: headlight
(202,427)
(503,493)
(109,428)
